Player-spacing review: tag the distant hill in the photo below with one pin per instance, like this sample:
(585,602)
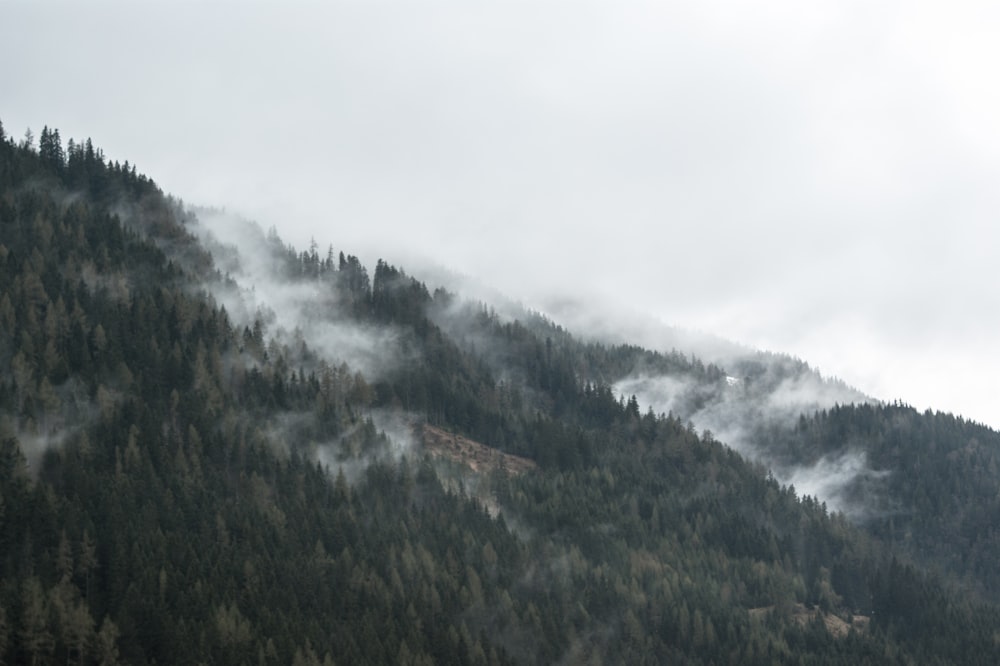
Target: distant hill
(217,448)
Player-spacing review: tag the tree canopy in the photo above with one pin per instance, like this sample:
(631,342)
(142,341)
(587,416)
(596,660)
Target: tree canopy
(181,486)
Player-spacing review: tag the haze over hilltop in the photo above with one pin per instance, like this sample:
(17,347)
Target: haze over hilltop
(749,396)
(218,447)
(812,181)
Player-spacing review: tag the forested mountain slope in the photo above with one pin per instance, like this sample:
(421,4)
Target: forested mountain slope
(190,473)
(937,496)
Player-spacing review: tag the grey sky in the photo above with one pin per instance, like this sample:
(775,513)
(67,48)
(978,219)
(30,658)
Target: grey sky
(818,181)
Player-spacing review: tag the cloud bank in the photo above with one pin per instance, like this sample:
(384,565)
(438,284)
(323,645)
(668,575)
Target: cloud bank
(813,180)
(764,397)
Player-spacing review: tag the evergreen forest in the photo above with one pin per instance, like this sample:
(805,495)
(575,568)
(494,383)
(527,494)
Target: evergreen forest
(408,477)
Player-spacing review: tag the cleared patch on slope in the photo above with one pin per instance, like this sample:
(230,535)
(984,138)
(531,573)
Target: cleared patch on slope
(478,457)
(837,626)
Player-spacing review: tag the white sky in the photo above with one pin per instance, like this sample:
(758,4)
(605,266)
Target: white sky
(814,178)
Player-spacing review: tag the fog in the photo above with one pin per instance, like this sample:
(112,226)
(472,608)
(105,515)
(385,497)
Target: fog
(814,180)
(746,412)
(845,483)
(293,310)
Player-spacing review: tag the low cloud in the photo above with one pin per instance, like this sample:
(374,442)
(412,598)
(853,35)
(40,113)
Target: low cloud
(294,310)
(844,482)
(767,395)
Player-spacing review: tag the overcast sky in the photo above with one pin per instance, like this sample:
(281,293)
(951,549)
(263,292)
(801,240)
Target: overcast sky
(822,181)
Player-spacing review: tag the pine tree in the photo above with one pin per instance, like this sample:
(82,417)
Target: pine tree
(87,561)
(4,628)
(37,641)
(106,643)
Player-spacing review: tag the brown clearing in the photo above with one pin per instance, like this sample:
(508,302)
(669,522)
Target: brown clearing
(837,626)
(478,457)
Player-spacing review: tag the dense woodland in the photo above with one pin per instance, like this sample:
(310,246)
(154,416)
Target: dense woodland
(163,498)
(939,500)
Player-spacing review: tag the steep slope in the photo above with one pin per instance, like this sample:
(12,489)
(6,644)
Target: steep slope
(197,467)
(935,493)
(922,484)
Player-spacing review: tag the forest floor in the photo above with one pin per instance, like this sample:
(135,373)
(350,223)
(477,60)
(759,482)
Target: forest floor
(836,625)
(478,457)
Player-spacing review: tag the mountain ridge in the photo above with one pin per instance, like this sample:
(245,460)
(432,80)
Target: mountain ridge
(227,487)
